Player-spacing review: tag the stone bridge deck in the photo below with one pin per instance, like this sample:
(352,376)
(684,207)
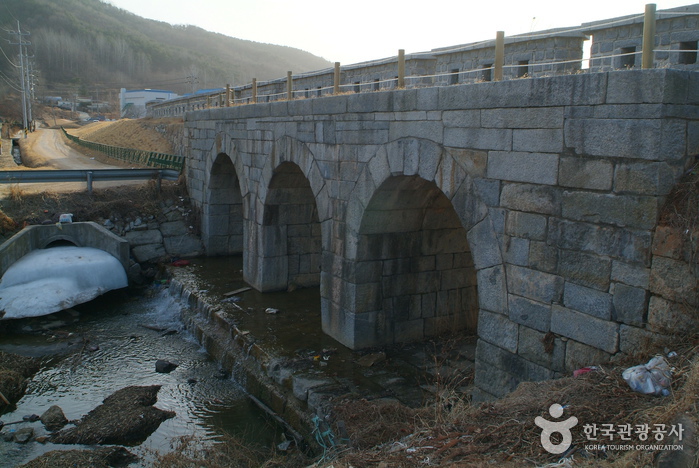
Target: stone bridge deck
(522,209)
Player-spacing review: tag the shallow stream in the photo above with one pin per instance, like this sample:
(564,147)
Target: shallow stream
(109,343)
(103,346)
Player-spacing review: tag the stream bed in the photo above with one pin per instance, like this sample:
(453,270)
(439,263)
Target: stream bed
(113,342)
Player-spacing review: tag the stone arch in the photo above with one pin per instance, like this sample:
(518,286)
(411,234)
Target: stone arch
(223,144)
(421,265)
(291,205)
(222,213)
(415,215)
(287,149)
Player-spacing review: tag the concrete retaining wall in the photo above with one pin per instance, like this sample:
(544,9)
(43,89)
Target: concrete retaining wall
(84,234)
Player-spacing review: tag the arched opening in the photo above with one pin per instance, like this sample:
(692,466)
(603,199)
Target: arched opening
(417,269)
(223,210)
(292,229)
(61,243)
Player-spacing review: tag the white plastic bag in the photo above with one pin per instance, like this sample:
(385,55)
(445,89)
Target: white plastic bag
(650,379)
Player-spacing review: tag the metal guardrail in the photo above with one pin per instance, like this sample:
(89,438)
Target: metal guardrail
(87,175)
(146,158)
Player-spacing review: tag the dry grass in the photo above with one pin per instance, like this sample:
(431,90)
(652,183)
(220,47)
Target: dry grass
(102,457)
(188,452)
(14,372)
(7,224)
(143,134)
(121,202)
(371,423)
(681,211)
(16,194)
(681,207)
(503,433)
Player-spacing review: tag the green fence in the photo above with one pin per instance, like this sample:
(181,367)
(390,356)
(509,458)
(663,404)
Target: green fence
(145,158)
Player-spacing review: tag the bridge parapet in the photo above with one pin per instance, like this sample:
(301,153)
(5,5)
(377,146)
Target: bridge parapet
(524,209)
(82,234)
(610,44)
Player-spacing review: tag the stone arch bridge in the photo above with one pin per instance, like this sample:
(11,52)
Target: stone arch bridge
(521,210)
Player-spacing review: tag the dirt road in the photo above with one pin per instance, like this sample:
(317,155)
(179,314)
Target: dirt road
(46,149)
(49,151)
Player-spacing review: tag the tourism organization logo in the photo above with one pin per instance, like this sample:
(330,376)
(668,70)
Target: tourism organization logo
(551,427)
(608,436)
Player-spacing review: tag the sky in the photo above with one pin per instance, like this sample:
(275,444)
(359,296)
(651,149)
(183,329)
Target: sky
(361,30)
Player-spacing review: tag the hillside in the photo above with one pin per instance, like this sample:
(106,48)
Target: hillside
(93,49)
(144,134)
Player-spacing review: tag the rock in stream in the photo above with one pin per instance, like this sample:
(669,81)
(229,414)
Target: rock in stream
(126,417)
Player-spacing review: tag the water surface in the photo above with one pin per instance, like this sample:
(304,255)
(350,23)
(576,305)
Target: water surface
(101,347)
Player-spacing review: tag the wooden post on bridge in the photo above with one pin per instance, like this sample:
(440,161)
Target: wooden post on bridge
(336,79)
(648,36)
(289,87)
(228,95)
(254,91)
(401,68)
(499,55)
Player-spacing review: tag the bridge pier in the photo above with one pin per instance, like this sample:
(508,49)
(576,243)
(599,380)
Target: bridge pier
(289,236)
(411,275)
(222,223)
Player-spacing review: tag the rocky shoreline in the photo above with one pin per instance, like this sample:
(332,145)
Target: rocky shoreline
(126,417)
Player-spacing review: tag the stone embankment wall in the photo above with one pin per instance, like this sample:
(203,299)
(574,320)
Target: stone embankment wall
(153,239)
(258,373)
(672,283)
(174,133)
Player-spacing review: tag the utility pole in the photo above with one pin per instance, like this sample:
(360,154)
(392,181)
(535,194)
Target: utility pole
(30,91)
(23,78)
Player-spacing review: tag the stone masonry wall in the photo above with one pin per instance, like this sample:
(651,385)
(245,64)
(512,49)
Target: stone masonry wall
(291,208)
(155,239)
(522,57)
(415,263)
(223,231)
(556,184)
(673,296)
(676,30)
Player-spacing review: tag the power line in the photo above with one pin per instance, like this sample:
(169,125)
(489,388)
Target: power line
(9,82)
(8,59)
(10,13)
